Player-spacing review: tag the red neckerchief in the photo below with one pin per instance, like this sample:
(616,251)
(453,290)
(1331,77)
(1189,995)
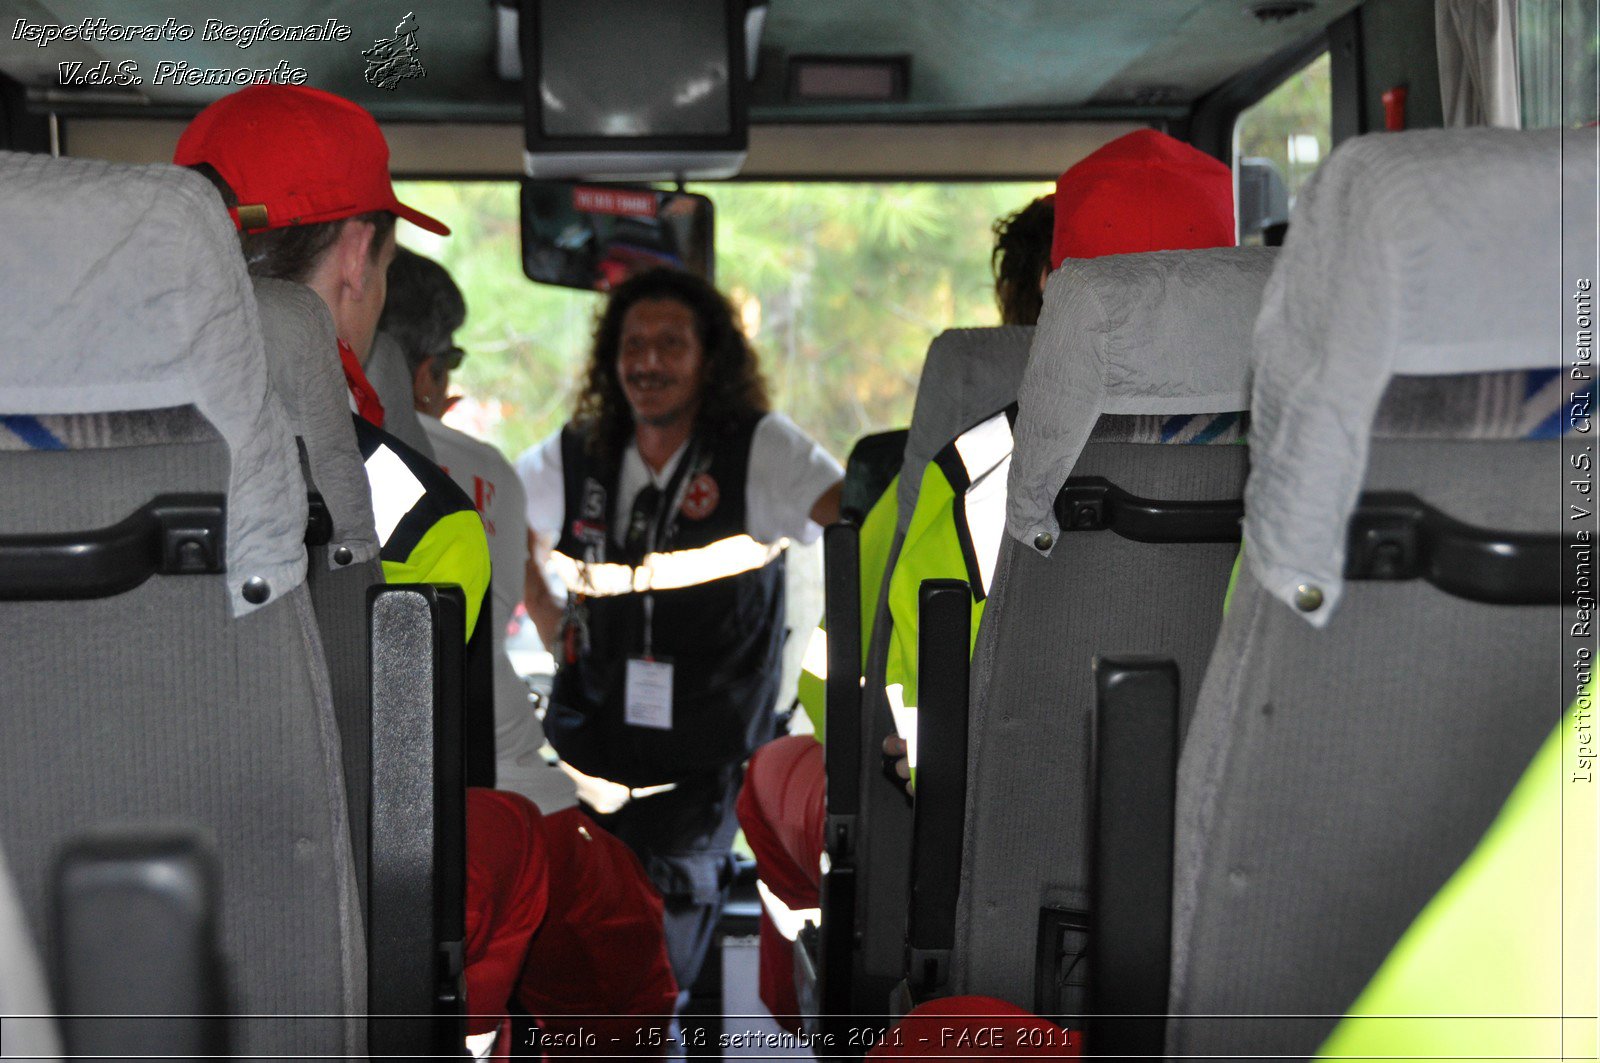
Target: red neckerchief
(361,389)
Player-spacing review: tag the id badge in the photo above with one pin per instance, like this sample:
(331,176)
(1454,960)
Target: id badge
(647,699)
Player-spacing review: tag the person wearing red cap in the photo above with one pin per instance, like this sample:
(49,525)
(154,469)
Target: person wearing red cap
(304,176)
(1142,192)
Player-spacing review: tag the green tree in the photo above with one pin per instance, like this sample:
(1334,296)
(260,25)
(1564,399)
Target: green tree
(1301,106)
(842,287)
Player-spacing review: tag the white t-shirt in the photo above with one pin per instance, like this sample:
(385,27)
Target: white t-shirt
(788,472)
(492,484)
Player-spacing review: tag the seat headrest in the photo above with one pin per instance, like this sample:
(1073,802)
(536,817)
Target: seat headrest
(386,370)
(1430,253)
(969,374)
(303,358)
(122,288)
(1167,332)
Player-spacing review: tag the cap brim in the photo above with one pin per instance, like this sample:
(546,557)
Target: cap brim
(419,219)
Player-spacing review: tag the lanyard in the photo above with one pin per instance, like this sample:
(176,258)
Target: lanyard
(661,527)
(368,405)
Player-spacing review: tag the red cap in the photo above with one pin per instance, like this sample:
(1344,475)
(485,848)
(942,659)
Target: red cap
(296,156)
(1142,192)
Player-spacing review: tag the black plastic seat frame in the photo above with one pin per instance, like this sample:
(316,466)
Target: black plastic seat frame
(1391,536)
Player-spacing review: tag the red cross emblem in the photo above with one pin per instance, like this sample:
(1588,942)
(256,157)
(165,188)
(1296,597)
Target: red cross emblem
(700,500)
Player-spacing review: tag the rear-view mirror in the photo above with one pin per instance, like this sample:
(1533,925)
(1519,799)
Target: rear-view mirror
(596,236)
(1263,201)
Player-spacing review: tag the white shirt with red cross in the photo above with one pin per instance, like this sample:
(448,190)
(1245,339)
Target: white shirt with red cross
(788,472)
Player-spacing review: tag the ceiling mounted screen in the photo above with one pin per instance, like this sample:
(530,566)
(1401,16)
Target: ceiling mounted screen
(634,87)
(618,68)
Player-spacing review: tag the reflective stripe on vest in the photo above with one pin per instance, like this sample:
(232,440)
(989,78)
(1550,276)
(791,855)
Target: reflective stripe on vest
(394,490)
(986,452)
(669,570)
(977,464)
(786,920)
(428,530)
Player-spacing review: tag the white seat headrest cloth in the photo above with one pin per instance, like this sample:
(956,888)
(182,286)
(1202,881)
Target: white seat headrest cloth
(1428,253)
(1164,332)
(122,288)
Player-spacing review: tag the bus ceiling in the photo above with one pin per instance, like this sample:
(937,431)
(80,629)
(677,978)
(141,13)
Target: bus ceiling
(979,90)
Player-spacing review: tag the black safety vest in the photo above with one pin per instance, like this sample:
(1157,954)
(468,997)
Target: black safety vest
(717,613)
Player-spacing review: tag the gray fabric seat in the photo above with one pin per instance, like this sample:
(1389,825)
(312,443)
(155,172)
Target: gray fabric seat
(400,810)
(300,342)
(386,369)
(1349,747)
(137,370)
(969,374)
(1160,342)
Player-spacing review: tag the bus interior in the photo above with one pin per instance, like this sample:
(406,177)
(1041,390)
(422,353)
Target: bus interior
(1177,798)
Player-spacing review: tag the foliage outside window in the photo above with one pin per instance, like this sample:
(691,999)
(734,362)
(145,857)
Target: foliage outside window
(842,287)
(1292,126)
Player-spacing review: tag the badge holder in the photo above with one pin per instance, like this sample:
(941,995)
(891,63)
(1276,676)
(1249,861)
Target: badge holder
(647,689)
(647,695)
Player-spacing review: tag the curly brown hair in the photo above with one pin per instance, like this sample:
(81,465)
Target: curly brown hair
(1021,253)
(734,388)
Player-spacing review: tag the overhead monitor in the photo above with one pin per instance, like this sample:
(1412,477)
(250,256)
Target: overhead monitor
(596,236)
(634,88)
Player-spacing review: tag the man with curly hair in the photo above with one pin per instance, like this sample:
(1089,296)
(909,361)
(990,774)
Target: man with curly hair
(671,496)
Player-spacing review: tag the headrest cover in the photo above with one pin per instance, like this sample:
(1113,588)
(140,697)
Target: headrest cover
(1161,333)
(970,374)
(124,289)
(303,358)
(1427,253)
(1142,192)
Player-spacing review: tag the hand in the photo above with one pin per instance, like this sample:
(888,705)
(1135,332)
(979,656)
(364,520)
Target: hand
(542,606)
(825,510)
(895,747)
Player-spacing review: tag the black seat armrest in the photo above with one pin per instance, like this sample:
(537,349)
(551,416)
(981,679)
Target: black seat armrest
(1130,889)
(938,826)
(417,879)
(842,759)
